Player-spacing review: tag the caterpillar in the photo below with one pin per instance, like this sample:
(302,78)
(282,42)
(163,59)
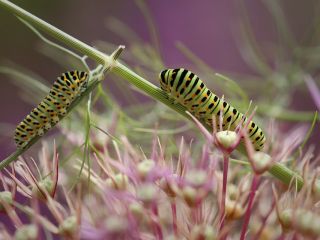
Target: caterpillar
(188,89)
(65,89)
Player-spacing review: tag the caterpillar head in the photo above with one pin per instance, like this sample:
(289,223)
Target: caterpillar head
(164,79)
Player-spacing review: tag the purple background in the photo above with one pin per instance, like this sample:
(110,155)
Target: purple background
(208,28)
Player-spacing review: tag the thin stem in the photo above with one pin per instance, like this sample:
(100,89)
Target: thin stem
(195,213)
(307,136)
(174,217)
(254,185)
(264,221)
(156,225)
(87,141)
(224,192)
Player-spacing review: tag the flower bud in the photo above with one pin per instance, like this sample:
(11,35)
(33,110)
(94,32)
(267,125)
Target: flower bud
(26,232)
(209,233)
(307,222)
(233,210)
(189,194)
(169,186)
(233,191)
(196,178)
(316,188)
(304,221)
(147,193)
(315,225)
(285,218)
(116,224)
(145,167)
(203,232)
(268,231)
(227,139)
(137,210)
(43,185)
(68,226)
(171,237)
(261,161)
(118,182)
(6,197)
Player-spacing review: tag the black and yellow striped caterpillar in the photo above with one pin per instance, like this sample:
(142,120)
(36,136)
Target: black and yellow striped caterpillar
(65,89)
(187,89)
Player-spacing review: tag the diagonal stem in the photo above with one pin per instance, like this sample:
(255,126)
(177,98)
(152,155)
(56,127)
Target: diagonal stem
(254,185)
(224,192)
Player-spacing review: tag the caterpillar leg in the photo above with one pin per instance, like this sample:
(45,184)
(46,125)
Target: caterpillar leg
(171,98)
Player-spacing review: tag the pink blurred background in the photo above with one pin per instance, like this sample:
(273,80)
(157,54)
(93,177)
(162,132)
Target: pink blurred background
(208,28)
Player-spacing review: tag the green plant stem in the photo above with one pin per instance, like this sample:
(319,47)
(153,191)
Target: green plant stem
(278,170)
(152,90)
(286,175)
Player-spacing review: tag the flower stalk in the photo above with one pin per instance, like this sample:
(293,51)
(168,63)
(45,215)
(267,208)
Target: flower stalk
(174,217)
(254,184)
(224,191)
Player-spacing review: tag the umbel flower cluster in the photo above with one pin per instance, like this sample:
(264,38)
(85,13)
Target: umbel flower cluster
(125,193)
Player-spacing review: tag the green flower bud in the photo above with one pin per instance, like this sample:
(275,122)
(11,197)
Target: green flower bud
(233,191)
(45,184)
(196,177)
(315,225)
(203,232)
(119,182)
(261,161)
(316,188)
(169,187)
(226,138)
(304,221)
(285,218)
(26,232)
(6,197)
(137,210)
(68,226)
(145,167)
(190,195)
(210,233)
(233,210)
(147,193)
(116,224)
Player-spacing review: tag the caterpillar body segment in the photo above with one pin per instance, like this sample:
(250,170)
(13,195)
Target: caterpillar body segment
(65,89)
(188,89)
